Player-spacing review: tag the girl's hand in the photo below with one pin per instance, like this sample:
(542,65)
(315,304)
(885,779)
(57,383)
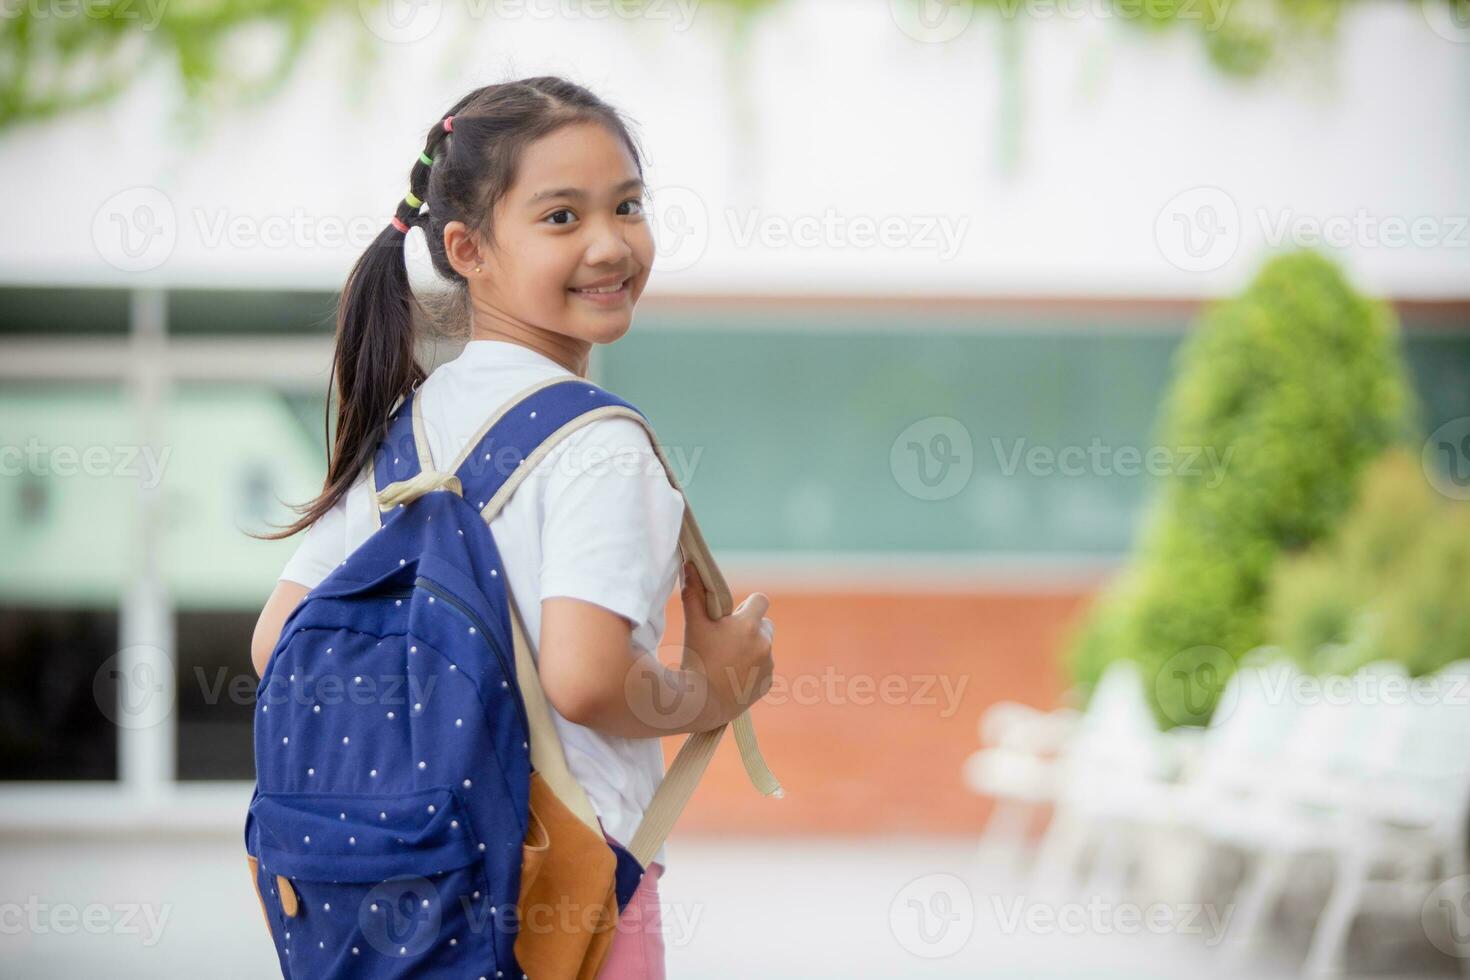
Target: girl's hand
(733,653)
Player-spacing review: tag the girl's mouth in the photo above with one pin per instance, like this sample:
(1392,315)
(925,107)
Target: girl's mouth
(604,295)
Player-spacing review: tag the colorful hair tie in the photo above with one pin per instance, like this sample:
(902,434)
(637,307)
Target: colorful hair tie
(425,157)
(448,124)
(413,202)
(398,223)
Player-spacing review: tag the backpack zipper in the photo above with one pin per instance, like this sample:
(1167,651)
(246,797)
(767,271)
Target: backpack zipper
(468,613)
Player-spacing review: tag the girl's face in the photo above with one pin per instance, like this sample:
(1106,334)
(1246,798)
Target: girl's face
(571,226)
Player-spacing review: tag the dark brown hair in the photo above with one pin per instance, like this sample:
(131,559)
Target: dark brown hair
(473,167)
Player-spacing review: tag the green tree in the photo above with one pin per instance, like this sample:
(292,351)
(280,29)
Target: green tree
(1393,584)
(1295,385)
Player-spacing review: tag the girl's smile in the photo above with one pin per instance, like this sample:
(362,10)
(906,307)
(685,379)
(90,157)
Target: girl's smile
(609,292)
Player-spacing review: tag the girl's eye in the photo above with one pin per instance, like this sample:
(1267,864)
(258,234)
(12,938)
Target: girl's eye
(636,202)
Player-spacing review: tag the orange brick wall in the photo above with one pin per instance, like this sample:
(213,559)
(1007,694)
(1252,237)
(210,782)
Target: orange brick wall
(892,764)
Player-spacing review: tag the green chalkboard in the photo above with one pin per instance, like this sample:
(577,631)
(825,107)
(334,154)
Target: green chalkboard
(784,431)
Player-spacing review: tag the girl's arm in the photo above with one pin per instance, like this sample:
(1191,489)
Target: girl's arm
(589,677)
(726,666)
(268,627)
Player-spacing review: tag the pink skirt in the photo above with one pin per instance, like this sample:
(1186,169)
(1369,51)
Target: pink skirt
(637,951)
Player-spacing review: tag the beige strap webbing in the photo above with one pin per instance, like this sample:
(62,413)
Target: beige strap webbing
(694,755)
(547,754)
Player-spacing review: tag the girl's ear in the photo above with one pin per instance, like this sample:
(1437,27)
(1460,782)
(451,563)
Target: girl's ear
(462,248)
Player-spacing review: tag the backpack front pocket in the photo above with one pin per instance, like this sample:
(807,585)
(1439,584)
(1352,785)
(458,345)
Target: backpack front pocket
(375,885)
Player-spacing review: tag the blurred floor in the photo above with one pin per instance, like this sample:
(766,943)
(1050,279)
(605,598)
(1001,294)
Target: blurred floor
(732,909)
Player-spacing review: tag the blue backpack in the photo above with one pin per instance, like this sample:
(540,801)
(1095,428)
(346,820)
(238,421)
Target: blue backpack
(406,766)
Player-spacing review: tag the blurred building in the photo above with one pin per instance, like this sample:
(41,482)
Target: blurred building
(885,295)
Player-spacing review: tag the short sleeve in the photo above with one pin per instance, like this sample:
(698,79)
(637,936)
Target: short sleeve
(322,549)
(612,520)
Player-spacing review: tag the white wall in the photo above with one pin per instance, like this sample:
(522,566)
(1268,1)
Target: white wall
(844,115)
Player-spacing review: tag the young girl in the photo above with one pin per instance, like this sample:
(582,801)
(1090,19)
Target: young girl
(535,217)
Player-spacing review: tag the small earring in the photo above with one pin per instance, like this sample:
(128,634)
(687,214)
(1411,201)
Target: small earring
(477,270)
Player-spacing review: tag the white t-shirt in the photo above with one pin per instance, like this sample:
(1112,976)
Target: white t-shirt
(597,519)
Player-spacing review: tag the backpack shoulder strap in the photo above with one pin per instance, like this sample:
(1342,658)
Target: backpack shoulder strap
(404,452)
(495,462)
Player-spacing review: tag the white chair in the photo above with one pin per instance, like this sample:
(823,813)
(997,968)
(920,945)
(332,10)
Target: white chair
(1016,768)
(1366,777)
(1109,772)
(1415,813)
